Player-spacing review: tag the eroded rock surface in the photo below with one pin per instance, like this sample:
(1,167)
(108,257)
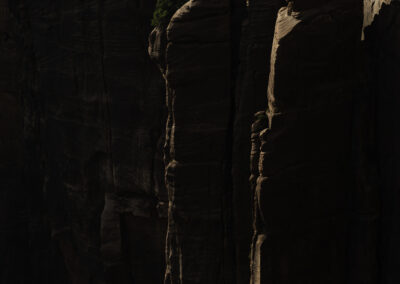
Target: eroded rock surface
(305,174)
(199,101)
(84,193)
(250,76)
(93,190)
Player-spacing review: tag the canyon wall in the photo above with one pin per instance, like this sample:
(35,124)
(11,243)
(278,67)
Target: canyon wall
(305,182)
(198,64)
(250,86)
(318,197)
(12,201)
(243,142)
(382,44)
(93,113)
(216,71)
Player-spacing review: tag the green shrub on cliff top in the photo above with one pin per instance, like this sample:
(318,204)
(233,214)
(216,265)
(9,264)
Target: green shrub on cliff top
(164,11)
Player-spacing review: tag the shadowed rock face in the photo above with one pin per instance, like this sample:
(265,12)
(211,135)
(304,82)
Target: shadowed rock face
(93,129)
(216,79)
(305,167)
(251,82)
(199,99)
(382,41)
(322,203)
(317,205)
(12,211)
(83,125)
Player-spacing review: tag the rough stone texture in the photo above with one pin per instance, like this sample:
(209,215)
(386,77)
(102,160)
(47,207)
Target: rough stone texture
(92,195)
(198,55)
(372,9)
(260,124)
(83,196)
(249,67)
(157,47)
(306,179)
(382,41)
(250,76)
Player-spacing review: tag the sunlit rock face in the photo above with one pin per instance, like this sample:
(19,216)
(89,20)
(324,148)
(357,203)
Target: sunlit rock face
(305,174)
(157,46)
(382,43)
(371,9)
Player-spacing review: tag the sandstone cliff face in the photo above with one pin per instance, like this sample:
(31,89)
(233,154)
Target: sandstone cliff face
(216,75)
(198,76)
(251,81)
(316,211)
(348,181)
(305,173)
(85,198)
(12,229)
(93,129)
(382,41)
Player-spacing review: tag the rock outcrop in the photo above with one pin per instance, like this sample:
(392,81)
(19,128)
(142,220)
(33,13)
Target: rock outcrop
(223,118)
(305,167)
(198,76)
(250,76)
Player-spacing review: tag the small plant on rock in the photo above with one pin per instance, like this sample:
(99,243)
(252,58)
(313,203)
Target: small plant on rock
(164,11)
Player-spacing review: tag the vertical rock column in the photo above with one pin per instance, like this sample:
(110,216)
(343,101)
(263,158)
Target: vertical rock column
(260,124)
(305,163)
(382,42)
(198,78)
(251,82)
